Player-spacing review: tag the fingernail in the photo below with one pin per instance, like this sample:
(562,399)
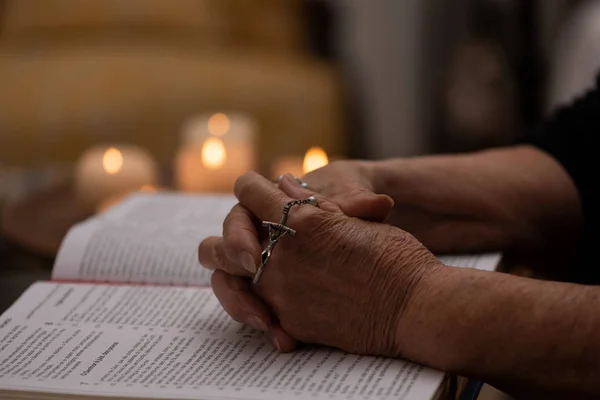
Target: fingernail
(276,344)
(257,323)
(390,200)
(247,262)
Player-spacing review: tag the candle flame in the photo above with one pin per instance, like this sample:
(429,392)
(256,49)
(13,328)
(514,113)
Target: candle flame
(314,158)
(218,124)
(213,153)
(112,161)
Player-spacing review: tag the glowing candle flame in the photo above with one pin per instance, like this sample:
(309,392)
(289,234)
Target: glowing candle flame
(213,153)
(218,124)
(112,161)
(314,158)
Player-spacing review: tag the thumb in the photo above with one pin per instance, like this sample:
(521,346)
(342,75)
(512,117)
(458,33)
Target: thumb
(364,204)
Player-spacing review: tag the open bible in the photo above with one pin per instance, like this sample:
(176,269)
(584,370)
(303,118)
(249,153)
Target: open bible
(129,313)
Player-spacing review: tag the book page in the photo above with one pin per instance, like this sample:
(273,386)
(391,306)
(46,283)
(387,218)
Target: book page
(176,343)
(484,262)
(153,239)
(148,239)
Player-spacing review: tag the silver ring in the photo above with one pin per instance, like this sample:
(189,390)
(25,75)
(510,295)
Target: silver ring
(279,230)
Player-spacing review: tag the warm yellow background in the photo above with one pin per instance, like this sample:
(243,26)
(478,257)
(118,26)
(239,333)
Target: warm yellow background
(78,72)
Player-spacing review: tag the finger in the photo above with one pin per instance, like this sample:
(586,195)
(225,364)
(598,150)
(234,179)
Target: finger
(260,196)
(356,201)
(290,186)
(281,339)
(211,254)
(298,180)
(240,238)
(364,204)
(242,305)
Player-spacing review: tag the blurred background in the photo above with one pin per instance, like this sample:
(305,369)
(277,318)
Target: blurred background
(101,98)
(360,79)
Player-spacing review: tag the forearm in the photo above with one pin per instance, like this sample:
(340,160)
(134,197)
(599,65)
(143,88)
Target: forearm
(520,187)
(530,335)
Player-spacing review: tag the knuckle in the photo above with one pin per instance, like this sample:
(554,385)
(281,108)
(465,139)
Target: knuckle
(313,221)
(276,197)
(359,191)
(228,220)
(303,217)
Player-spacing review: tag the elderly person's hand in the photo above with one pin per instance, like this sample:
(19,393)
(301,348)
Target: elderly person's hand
(494,200)
(340,281)
(351,185)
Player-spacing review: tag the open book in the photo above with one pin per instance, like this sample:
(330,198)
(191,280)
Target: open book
(129,314)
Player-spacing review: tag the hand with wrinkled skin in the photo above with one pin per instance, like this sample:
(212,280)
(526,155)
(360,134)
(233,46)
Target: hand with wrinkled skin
(373,289)
(351,185)
(340,281)
(515,198)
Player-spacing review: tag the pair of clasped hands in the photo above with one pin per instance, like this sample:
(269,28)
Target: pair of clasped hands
(348,275)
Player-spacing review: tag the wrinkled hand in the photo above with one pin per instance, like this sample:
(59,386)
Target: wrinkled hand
(472,203)
(350,184)
(340,281)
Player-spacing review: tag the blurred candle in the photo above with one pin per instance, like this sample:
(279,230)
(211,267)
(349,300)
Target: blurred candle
(314,158)
(215,150)
(105,172)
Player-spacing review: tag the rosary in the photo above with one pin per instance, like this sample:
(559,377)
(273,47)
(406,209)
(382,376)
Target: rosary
(279,230)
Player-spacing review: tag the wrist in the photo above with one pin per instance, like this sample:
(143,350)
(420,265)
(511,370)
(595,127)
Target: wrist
(416,287)
(421,331)
(521,191)
(382,173)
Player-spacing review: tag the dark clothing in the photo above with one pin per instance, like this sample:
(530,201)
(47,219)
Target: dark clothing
(571,136)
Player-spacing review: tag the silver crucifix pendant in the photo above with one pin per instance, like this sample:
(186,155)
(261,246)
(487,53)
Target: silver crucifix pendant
(277,231)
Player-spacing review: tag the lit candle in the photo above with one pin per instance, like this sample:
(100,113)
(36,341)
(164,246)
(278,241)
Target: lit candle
(106,172)
(215,151)
(314,158)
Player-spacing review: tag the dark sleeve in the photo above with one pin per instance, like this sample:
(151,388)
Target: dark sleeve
(571,136)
